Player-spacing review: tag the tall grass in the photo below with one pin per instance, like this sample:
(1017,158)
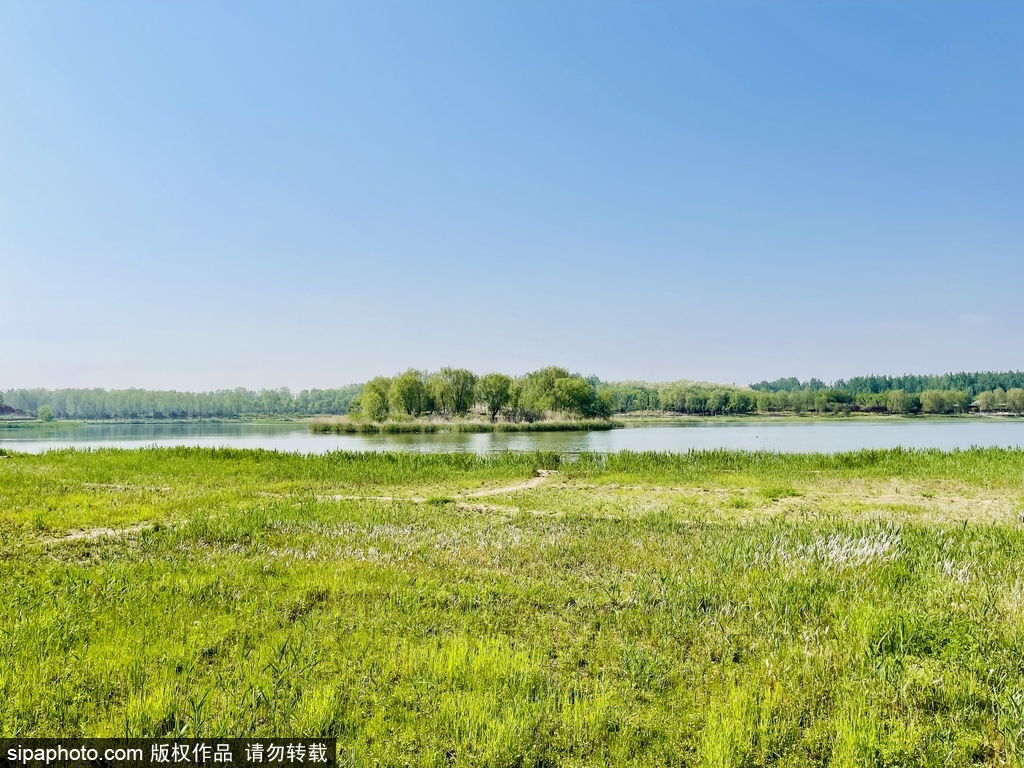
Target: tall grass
(536,631)
(341,426)
(987,465)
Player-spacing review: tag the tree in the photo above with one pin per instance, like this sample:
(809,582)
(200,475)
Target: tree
(779,385)
(943,400)
(696,401)
(45,413)
(717,400)
(999,398)
(555,389)
(741,401)
(495,391)
(408,393)
(453,390)
(373,402)
(539,389)
(896,401)
(573,395)
(1015,400)
(373,406)
(933,401)
(514,409)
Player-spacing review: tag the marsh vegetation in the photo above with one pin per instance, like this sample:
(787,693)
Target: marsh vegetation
(346,426)
(712,608)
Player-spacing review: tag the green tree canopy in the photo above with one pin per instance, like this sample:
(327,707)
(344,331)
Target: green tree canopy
(1015,400)
(943,400)
(717,400)
(573,395)
(896,401)
(373,401)
(495,391)
(539,389)
(408,393)
(453,390)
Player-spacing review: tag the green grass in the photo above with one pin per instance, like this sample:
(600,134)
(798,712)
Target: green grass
(26,423)
(708,608)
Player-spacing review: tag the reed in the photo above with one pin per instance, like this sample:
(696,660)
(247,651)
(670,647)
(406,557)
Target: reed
(346,427)
(636,609)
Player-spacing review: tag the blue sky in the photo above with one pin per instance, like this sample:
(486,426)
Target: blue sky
(202,195)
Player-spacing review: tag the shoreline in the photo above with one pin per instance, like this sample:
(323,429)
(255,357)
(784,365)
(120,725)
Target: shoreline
(441,427)
(616,421)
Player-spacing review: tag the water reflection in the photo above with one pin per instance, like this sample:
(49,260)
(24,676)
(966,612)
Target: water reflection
(788,436)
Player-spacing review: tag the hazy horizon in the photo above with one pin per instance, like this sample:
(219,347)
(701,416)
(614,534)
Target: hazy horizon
(199,197)
(515,374)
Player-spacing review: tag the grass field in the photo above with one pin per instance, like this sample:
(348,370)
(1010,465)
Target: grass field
(637,609)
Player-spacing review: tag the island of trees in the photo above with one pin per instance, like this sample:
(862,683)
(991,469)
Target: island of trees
(548,393)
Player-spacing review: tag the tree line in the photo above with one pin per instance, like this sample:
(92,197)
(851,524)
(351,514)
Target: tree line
(715,400)
(972,383)
(455,392)
(452,392)
(170,404)
(448,392)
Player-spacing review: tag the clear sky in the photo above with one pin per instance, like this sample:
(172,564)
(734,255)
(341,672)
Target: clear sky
(198,195)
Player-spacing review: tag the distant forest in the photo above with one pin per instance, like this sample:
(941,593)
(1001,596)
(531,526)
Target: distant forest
(972,383)
(169,404)
(452,392)
(936,394)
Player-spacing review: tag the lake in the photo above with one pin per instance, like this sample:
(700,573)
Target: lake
(787,436)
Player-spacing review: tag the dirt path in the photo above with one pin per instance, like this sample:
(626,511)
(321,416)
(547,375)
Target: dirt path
(542,476)
(533,482)
(90,534)
(101,533)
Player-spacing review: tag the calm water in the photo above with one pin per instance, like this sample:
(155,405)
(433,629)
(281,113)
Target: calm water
(790,436)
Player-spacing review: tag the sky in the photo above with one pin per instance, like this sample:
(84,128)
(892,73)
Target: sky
(201,195)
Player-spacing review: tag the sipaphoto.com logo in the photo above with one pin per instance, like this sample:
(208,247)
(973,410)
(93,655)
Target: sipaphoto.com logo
(168,753)
(62,754)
